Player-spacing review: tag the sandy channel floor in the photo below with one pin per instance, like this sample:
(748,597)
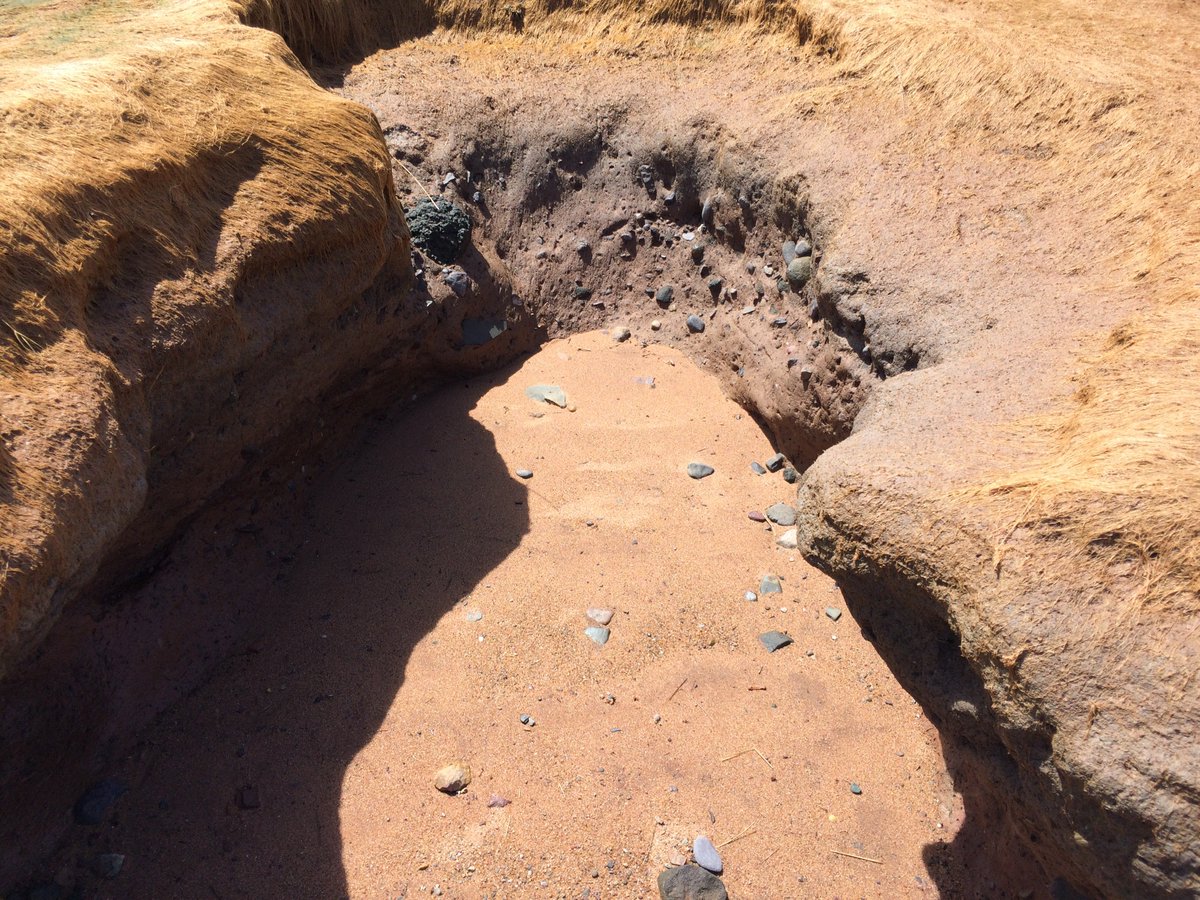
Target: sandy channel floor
(438,598)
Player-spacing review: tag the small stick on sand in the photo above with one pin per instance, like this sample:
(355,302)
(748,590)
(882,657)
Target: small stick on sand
(749,750)
(421,186)
(676,691)
(745,833)
(878,862)
(755,688)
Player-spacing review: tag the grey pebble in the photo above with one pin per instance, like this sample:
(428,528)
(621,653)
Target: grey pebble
(92,807)
(527,719)
(775,463)
(524,473)
(699,470)
(108,865)
(474,616)
(782,514)
(770,585)
(790,475)
(706,855)
(750,596)
(547,393)
(597,633)
(664,295)
(803,248)
(600,615)
(773,640)
(695,323)
(833,612)
(854,788)
(799,270)
(757,468)
(789,252)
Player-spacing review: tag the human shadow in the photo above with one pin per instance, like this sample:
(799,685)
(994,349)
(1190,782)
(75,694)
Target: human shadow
(236,790)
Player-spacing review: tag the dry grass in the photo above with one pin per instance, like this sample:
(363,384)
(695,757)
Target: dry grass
(1119,483)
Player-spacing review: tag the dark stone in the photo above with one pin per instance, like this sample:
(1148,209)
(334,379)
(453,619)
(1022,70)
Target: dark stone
(441,229)
(790,475)
(690,883)
(757,468)
(706,212)
(477,332)
(458,280)
(698,253)
(699,470)
(775,463)
(715,285)
(799,270)
(789,252)
(695,323)
(664,295)
(93,806)
(582,293)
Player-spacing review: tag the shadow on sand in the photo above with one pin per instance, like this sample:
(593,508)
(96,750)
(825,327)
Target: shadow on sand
(235,791)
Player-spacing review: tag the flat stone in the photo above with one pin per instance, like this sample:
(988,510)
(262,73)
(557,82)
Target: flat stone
(620,334)
(833,612)
(775,463)
(782,514)
(788,540)
(93,806)
(690,883)
(108,865)
(524,473)
(706,855)
(474,616)
(695,323)
(757,468)
(598,634)
(773,640)
(755,516)
(498,802)
(453,778)
(699,470)
(600,615)
(547,393)
(770,585)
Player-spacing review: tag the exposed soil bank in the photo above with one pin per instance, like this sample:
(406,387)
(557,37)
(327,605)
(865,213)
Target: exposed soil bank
(186,311)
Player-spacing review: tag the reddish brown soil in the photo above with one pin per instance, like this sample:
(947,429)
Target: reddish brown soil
(373,678)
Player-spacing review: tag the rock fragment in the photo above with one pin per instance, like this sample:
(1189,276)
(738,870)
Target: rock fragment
(620,334)
(597,633)
(524,473)
(600,615)
(699,470)
(755,516)
(93,806)
(775,463)
(690,883)
(547,393)
(695,324)
(774,640)
(788,540)
(757,468)
(782,514)
(833,612)
(452,779)
(770,585)
(664,295)
(706,855)
(799,270)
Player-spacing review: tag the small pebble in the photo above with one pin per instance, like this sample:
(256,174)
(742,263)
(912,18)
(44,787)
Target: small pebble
(655,325)
(757,468)
(528,720)
(782,514)
(664,295)
(755,516)
(498,802)
(790,475)
(598,634)
(699,470)
(833,612)
(770,585)
(547,393)
(474,616)
(695,323)
(620,333)
(787,540)
(775,463)
(524,473)
(854,788)
(706,855)
(452,778)
(108,865)
(750,596)
(600,615)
